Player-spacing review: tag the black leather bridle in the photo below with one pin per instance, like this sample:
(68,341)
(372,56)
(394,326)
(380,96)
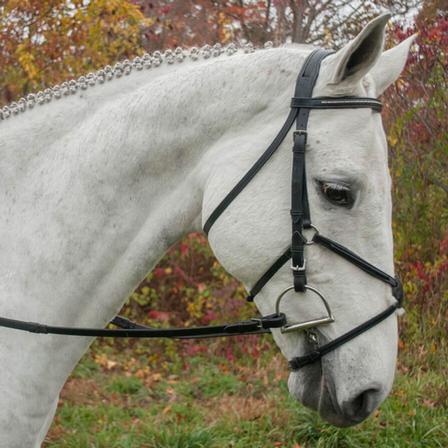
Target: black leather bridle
(301,105)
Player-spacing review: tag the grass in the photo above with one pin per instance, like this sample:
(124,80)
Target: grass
(117,401)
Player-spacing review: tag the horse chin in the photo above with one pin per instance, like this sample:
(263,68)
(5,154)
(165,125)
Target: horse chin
(311,388)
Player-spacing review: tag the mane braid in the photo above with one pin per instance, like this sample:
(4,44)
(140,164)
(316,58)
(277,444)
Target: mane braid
(108,73)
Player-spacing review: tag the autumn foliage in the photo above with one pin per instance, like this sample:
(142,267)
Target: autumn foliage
(415,118)
(44,42)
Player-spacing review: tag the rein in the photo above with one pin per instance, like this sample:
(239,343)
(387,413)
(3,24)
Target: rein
(301,105)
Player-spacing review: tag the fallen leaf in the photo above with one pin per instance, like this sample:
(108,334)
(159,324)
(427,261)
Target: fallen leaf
(110,364)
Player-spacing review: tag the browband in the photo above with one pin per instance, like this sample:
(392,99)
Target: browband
(324,102)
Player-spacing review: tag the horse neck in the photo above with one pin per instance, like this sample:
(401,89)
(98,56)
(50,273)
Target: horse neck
(92,209)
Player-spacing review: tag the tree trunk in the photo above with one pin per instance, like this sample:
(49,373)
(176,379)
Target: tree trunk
(298,29)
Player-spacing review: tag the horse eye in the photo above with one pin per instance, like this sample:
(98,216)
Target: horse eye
(337,194)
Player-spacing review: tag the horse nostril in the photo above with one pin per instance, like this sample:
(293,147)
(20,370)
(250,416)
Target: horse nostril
(362,405)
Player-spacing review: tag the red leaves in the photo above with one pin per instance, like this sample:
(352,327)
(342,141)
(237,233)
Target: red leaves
(209,317)
(229,354)
(420,271)
(159,272)
(162,316)
(184,249)
(166,9)
(430,274)
(195,349)
(444,246)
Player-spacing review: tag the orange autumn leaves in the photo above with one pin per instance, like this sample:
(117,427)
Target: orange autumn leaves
(44,42)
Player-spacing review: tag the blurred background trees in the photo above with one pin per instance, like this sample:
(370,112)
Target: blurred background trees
(44,42)
(311,21)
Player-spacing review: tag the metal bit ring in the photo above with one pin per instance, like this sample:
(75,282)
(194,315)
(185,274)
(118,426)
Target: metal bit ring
(298,326)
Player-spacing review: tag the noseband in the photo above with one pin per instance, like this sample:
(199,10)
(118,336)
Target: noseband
(301,105)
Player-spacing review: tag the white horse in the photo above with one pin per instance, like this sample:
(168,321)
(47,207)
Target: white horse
(97,186)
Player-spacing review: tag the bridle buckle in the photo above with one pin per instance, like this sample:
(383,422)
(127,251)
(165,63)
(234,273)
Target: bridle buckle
(258,321)
(300,132)
(299,268)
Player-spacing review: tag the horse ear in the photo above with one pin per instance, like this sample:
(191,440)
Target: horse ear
(355,59)
(390,65)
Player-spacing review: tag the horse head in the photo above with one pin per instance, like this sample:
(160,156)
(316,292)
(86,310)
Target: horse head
(349,196)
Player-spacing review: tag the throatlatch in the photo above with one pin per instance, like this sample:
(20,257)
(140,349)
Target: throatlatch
(301,105)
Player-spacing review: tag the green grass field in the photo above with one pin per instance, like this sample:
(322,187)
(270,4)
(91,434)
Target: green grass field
(116,399)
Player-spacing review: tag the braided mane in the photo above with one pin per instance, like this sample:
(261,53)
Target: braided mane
(126,67)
